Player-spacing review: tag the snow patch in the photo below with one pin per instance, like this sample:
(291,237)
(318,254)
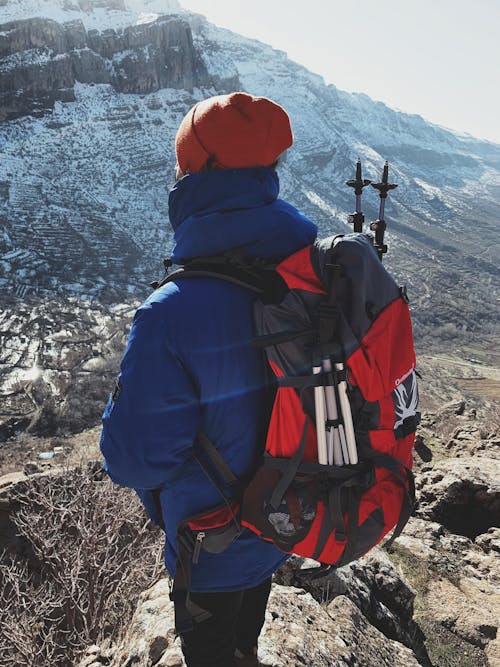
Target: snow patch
(98,18)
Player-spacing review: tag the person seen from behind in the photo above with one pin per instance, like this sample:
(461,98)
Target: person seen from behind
(190,367)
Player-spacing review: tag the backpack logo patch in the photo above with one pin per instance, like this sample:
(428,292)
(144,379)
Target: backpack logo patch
(405,398)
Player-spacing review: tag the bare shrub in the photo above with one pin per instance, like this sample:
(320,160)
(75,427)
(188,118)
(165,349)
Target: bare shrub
(87,552)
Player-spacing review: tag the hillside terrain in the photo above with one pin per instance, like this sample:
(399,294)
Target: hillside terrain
(87,160)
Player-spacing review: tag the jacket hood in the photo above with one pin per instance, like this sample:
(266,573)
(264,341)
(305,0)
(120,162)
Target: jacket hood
(216,211)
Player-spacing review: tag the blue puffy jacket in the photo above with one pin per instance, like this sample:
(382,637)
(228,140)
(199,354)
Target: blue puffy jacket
(190,366)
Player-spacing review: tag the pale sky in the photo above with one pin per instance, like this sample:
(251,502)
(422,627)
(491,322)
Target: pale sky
(437,58)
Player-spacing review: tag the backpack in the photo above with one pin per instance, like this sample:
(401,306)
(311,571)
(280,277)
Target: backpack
(335,474)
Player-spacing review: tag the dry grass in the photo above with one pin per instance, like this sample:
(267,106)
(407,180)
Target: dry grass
(87,552)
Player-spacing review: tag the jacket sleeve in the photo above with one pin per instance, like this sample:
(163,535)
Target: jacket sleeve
(153,415)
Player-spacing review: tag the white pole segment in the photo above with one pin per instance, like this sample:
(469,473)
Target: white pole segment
(343,444)
(334,445)
(319,406)
(345,409)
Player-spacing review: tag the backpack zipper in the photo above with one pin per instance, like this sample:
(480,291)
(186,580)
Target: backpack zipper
(200,536)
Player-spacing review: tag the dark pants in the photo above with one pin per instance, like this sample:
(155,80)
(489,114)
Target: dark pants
(236,622)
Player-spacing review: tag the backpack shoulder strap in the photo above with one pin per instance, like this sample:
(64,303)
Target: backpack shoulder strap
(258,276)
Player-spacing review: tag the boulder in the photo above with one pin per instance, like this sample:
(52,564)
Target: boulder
(452,408)
(299,631)
(468,612)
(462,494)
(458,584)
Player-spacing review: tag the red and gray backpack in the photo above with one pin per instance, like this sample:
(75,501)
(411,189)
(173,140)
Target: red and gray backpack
(335,476)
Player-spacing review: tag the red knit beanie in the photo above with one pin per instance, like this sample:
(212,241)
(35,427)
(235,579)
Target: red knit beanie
(236,131)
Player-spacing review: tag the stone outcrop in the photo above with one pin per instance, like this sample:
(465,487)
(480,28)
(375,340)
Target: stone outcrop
(457,582)
(298,631)
(431,601)
(451,549)
(41,60)
(434,599)
(35,33)
(461,494)
(373,584)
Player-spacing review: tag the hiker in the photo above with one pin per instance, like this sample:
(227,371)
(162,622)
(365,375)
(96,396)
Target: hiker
(190,366)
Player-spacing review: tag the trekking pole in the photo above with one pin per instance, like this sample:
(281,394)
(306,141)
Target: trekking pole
(357,219)
(342,407)
(335,437)
(341,442)
(319,410)
(340,438)
(345,411)
(379,225)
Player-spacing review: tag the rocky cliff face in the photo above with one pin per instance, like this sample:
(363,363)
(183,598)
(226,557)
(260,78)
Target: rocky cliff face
(41,60)
(86,204)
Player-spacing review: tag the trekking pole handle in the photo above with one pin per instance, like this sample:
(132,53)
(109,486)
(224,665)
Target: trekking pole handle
(357,219)
(358,183)
(379,226)
(383,188)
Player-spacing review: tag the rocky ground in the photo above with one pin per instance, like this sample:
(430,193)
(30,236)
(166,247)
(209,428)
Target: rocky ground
(433,599)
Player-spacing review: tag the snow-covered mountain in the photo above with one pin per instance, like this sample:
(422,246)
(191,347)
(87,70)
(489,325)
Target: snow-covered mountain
(91,94)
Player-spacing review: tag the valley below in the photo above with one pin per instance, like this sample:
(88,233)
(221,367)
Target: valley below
(59,359)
